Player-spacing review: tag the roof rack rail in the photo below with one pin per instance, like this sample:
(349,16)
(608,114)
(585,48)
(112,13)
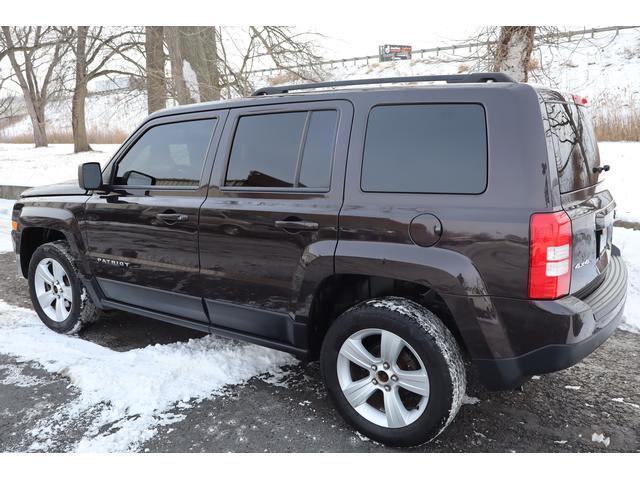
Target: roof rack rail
(468,78)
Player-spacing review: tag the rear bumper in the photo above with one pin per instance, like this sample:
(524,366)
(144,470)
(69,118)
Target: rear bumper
(584,324)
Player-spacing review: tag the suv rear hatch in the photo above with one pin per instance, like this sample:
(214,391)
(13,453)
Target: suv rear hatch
(573,149)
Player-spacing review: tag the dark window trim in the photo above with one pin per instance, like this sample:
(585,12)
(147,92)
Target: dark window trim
(293,189)
(394,104)
(301,147)
(142,133)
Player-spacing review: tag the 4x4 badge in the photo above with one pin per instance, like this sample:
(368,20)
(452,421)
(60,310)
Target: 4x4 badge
(582,264)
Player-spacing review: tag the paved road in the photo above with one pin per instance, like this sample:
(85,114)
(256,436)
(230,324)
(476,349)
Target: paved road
(259,416)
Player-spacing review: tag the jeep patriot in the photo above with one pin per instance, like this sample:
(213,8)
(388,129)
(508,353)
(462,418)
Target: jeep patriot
(389,231)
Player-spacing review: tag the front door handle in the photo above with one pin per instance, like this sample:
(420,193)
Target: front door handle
(171,218)
(296,225)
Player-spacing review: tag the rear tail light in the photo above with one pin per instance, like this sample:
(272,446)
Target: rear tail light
(549,255)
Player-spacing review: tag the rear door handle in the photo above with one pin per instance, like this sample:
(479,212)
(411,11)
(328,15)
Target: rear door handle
(171,218)
(296,225)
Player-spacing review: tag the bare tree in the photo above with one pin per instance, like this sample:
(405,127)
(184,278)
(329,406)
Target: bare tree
(99,52)
(155,61)
(513,51)
(6,101)
(222,58)
(35,54)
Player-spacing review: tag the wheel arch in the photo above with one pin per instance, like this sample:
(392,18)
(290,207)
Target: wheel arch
(339,292)
(40,225)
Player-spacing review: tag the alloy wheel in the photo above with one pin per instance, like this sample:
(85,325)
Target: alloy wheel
(53,289)
(383,378)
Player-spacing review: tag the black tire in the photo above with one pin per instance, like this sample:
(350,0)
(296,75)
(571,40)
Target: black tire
(431,341)
(83,311)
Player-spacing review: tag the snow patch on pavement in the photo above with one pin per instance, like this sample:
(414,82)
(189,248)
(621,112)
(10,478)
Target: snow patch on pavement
(600,438)
(467,400)
(14,375)
(128,395)
(622,400)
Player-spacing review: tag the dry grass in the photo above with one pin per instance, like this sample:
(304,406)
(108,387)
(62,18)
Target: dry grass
(95,135)
(617,118)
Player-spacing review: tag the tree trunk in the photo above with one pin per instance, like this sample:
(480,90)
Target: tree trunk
(176,58)
(34,105)
(200,50)
(156,82)
(514,51)
(36,114)
(78,123)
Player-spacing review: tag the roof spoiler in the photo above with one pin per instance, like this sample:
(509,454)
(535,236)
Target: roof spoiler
(467,78)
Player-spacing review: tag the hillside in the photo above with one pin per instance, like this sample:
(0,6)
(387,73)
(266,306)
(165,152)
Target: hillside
(604,68)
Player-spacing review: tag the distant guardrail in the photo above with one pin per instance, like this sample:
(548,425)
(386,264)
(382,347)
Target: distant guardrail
(447,48)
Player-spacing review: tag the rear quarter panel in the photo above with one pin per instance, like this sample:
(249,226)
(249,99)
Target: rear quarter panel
(483,249)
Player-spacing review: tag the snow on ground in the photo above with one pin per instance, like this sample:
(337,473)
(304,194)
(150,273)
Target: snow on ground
(22,164)
(128,394)
(5,225)
(629,243)
(622,179)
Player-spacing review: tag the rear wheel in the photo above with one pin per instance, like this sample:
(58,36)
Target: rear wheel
(394,371)
(57,293)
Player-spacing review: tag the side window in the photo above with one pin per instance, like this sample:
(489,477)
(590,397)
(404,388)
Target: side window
(167,155)
(275,150)
(435,148)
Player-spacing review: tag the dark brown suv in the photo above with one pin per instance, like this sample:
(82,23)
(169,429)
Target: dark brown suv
(388,231)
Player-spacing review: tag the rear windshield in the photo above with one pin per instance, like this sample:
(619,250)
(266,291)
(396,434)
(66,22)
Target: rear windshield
(572,142)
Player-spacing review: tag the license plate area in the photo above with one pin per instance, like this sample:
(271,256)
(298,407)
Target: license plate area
(604,234)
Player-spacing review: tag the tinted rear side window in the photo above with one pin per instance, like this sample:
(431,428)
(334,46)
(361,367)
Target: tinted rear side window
(574,145)
(276,150)
(437,148)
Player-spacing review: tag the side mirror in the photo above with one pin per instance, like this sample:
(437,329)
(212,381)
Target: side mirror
(90,176)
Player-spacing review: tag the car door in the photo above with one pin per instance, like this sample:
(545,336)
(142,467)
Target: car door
(269,225)
(142,234)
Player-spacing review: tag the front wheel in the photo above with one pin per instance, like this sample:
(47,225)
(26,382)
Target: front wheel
(57,293)
(394,371)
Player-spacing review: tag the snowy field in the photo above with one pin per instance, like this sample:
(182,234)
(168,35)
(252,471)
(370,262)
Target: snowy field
(21,164)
